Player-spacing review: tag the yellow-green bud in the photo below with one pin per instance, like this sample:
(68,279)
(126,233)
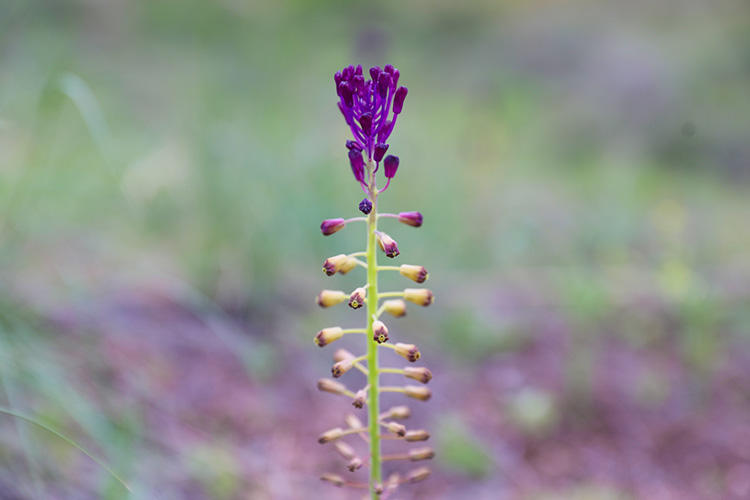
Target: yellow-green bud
(396,429)
(419,296)
(420,374)
(395,307)
(421,454)
(328,335)
(414,273)
(342,367)
(331,435)
(418,392)
(328,298)
(397,413)
(357,298)
(360,398)
(328,385)
(332,265)
(417,435)
(408,351)
(419,474)
(379,332)
(350,264)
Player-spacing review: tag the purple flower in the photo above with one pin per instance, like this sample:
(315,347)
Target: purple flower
(358,164)
(390,165)
(370,107)
(330,226)
(365,206)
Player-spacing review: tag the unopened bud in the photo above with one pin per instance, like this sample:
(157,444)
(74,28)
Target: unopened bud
(419,374)
(380,150)
(396,429)
(408,351)
(419,474)
(379,332)
(395,307)
(328,335)
(328,385)
(419,296)
(328,298)
(418,392)
(357,164)
(342,354)
(354,145)
(360,398)
(355,464)
(344,450)
(332,265)
(410,218)
(414,273)
(332,435)
(416,435)
(398,100)
(366,122)
(365,206)
(357,298)
(353,422)
(330,226)
(397,413)
(342,367)
(421,454)
(334,479)
(347,266)
(390,166)
(388,245)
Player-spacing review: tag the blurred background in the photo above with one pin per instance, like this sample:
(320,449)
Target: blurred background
(582,168)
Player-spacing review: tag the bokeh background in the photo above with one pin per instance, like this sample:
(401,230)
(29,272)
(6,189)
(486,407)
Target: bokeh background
(582,167)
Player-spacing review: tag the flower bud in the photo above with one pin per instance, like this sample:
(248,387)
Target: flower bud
(419,374)
(395,307)
(328,298)
(348,265)
(338,78)
(357,164)
(328,385)
(331,435)
(419,296)
(397,413)
(396,429)
(365,206)
(374,72)
(390,166)
(421,454)
(416,435)
(357,298)
(334,479)
(414,273)
(342,367)
(345,91)
(379,332)
(408,351)
(418,392)
(328,335)
(388,245)
(344,450)
(353,145)
(410,218)
(360,398)
(330,226)
(366,122)
(342,354)
(384,81)
(353,422)
(380,150)
(332,265)
(355,464)
(398,100)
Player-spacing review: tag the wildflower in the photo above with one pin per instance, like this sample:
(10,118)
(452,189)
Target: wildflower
(416,435)
(420,374)
(355,464)
(360,398)
(332,265)
(416,475)
(342,367)
(342,354)
(419,296)
(421,454)
(328,335)
(395,307)
(408,351)
(418,392)
(344,450)
(330,226)
(353,422)
(335,479)
(328,298)
(328,385)
(410,218)
(380,332)
(357,164)
(388,245)
(390,166)
(348,265)
(397,413)
(396,429)
(380,150)
(414,273)
(357,298)
(365,206)
(331,435)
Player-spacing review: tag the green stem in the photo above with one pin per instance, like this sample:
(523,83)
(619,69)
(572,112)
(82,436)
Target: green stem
(373,403)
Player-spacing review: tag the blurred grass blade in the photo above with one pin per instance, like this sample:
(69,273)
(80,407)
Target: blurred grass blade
(30,420)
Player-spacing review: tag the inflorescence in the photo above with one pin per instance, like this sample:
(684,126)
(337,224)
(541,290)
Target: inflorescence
(371,107)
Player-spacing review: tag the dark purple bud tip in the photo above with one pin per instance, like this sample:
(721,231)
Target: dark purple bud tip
(358,164)
(380,150)
(338,78)
(384,81)
(390,165)
(398,100)
(388,68)
(354,145)
(330,226)
(365,206)
(366,121)
(374,72)
(410,218)
(345,91)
